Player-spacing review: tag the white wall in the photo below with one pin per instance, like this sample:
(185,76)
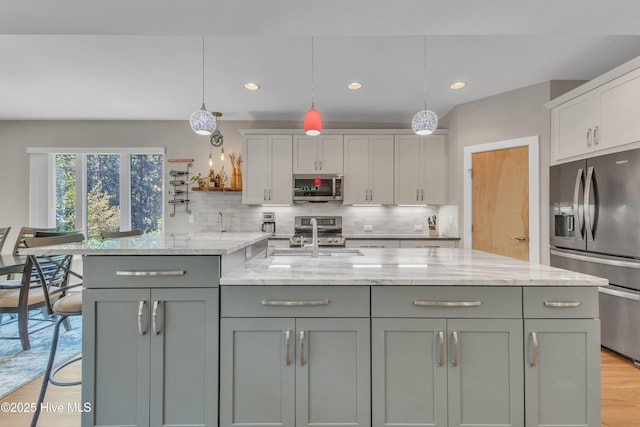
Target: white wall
(510,115)
(176,136)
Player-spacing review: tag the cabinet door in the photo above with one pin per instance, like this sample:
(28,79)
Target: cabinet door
(619,108)
(433,188)
(409,372)
(256,169)
(485,372)
(563,381)
(381,167)
(257,372)
(570,125)
(184,357)
(356,169)
(305,153)
(116,343)
(407,170)
(333,370)
(281,178)
(331,154)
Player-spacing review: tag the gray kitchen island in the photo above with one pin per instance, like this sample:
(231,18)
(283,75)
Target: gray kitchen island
(382,337)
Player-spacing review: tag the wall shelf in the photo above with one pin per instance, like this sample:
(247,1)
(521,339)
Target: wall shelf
(180,183)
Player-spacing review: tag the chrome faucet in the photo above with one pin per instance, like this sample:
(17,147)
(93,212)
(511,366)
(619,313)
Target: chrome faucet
(220,221)
(314,238)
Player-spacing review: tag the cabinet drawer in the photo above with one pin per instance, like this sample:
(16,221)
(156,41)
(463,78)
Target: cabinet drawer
(151,271)
(295,301)
(446,301)
(545,302)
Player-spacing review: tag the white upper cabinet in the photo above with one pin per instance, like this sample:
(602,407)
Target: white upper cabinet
(321,154)
(420,170)
(368,169)
(601,115)
(267,170)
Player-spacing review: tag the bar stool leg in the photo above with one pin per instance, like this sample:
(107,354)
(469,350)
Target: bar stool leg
(47,373)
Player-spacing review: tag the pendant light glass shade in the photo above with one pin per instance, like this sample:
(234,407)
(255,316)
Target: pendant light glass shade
(425,122)
(202,121)
(312,122)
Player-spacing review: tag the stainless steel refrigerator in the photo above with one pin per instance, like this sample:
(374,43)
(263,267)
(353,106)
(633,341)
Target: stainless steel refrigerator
(595,229)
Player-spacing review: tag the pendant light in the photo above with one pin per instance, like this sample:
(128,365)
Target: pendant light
(202,121)
(425,122)
(217,139)
(312,120)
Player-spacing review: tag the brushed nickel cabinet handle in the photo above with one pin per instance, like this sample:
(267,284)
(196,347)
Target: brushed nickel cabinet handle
(589,137)
(302,348)
(141,330)
(269,194)
(154,318)
(151,273)
(295,303)
(534,338)
(559,304)
(287,346)
(417,195)
(456,349)
(447,303)
(422,195)
(595,135)
(264,194)
(441,339)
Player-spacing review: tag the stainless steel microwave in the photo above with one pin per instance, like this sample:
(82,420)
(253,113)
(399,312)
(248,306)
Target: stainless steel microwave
(318,188)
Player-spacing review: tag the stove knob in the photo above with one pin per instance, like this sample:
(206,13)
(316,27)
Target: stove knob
(296,239)
(305,240)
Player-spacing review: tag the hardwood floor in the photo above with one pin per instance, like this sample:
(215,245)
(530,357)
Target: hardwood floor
(620,397)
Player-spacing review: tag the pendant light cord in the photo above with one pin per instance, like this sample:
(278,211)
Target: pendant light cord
(312,76)
(425,71)
(203,72)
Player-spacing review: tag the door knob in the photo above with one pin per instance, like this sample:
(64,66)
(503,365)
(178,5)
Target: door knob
(521,239)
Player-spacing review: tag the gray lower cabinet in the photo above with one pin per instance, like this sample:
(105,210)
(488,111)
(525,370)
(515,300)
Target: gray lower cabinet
(447,356)
(295,356)
(438,372)
(150,357)
(562,357)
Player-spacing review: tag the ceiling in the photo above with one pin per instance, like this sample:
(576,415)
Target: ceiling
(142,60)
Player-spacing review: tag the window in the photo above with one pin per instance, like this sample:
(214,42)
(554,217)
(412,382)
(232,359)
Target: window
(95,190)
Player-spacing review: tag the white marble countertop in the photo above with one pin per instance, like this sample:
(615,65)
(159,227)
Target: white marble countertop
(431,266)
(158,244)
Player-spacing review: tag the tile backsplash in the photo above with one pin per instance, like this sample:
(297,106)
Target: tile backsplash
(382,219)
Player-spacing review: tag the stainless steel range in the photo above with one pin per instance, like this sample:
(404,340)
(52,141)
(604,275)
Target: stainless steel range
(329,231)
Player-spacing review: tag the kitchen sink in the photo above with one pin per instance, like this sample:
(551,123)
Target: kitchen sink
(308,252)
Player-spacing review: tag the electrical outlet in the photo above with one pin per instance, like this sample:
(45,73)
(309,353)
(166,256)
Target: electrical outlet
(417,227)
(192,219)
(368,227)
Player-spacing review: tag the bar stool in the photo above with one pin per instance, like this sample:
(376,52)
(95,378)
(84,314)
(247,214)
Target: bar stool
(70,305)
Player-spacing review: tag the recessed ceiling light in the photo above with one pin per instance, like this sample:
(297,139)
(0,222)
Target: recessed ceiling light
(458,85)
(354,85)
(251,86)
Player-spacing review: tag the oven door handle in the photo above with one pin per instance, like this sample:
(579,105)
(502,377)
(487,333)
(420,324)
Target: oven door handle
(333,187)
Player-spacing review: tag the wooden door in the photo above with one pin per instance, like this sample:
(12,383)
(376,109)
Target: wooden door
(500,202)
(280,169)
(407,170)
(381,169)
(356,169)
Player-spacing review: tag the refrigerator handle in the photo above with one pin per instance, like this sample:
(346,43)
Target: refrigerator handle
(576,201)
(587,201)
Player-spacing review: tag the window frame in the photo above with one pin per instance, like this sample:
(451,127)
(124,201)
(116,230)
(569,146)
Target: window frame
(42,168)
